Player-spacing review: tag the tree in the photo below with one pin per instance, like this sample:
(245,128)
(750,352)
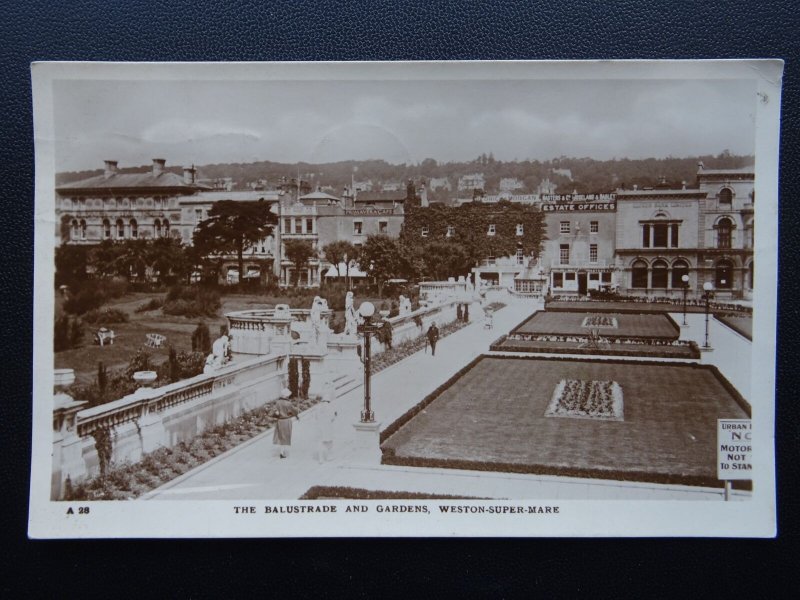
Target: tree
(299,252)
(167,258)
(233,227)
(382,259)
(444,259)
(341,251)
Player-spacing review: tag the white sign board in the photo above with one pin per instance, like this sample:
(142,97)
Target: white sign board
(734,449)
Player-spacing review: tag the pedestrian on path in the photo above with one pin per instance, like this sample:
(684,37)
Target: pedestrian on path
(326,416)
(284,411)
(433,337)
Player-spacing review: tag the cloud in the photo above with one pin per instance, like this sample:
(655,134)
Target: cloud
(182,130)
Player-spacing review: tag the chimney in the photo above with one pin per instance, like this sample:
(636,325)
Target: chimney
(111,168)
(158,166)
(683,184)
(423,195)
(189,175)
(700,165)
(635,187)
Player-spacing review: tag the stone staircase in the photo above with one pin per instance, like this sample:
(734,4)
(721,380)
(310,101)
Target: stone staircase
(347,382)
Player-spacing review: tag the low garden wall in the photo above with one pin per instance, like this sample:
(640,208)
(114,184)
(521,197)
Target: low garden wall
(125,429)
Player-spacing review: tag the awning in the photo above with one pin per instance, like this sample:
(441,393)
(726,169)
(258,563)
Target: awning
(354,271)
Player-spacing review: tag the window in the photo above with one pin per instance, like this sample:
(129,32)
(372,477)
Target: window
(724,228)
(594,226)
(75,231)
(492,229)
(120,229)
(106,229)
(592,253)
(605,277)
(674,240)
(659,274)
(563,254)
(425,231)
(752,274)
(520,229)
(358,227)
(520,256)
(639,274)
(558,279)
(298,226)
(594,276)
(83,229)
(564,227)
(287,226)
(157,228)
(679,269)
(165,225)
(309,225)
(451,231)
(569,276)
(383,226)
(134,229)
(723,274)
(659,235)
(725,197)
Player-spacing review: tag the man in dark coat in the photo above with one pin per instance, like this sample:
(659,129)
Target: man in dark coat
(284,411)
(433,337)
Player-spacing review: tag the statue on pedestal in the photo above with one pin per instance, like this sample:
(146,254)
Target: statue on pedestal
(220,354)
(350,315)
(404,306)
(317,326)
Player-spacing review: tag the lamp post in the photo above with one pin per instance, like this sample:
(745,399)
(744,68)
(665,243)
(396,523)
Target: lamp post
(367,328)
(707,295)
(685,280)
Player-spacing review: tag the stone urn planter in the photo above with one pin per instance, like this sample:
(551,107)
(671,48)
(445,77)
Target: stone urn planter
(384,313)
(145,378)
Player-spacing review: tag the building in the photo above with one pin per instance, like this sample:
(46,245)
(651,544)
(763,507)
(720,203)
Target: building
(704,233)
(118,206)
(579,251)
(474,181)
(440,183)
(510,184)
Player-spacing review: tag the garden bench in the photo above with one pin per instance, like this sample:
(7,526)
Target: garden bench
(155,340)
(104,336)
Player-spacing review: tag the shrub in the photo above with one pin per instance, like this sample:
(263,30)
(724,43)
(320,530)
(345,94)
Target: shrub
(68,333)
(106,316)
(191,302)
(201,339)
(85,300)
(306,377)
(294,377)
(152,304)
(139,362)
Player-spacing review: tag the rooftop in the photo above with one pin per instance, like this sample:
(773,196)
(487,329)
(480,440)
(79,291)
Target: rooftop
(132,180)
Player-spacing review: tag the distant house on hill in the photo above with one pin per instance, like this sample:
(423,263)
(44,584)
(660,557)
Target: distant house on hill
(474,181)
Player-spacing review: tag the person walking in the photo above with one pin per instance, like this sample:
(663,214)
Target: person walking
(284,411)
(433,337)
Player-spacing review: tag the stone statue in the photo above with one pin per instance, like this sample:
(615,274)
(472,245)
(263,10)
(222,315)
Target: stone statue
(317,325)
(219,354)
(402,307)
(350,315)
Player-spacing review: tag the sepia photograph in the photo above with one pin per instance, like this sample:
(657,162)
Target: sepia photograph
(405,299)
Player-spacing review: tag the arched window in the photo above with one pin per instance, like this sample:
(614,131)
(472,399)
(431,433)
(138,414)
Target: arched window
(75,230)
(659,274)
(751,271)
(725,197)
(166,228)
(83,229)
(749,234)
(679,268)
(106,229)
(724,228)
(120,229)
(134,229)
(157,228)
(639,274)
(723,275)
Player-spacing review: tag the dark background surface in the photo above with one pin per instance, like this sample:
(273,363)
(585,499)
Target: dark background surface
(185,30)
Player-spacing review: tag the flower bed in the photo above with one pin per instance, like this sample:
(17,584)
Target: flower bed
(131,480)
(613,347)
(600,322)
(323,492)
(582,399)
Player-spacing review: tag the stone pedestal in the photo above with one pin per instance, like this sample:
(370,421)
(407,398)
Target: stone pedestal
(151,426)
(67,446)
(367,448)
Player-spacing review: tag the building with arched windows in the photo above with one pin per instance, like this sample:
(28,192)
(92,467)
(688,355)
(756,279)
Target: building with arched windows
(705,233)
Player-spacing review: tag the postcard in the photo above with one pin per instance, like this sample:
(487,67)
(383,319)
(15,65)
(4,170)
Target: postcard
(425,299)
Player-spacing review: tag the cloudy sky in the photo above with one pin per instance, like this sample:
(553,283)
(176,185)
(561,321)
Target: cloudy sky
(201,122)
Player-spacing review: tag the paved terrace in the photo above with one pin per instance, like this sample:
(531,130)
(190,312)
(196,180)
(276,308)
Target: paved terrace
(254,471)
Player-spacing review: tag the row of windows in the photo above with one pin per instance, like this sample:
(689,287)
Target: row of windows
(559,278)
(491,230)
(565,227)
(659,275)
(563,253)
(157,202)
(160,229)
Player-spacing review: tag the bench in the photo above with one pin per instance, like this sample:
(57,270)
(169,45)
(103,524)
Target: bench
(104,336)
(155,340)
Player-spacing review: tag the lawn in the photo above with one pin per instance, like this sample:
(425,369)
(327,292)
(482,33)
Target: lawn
(628,325)
(492,417)
(741,325)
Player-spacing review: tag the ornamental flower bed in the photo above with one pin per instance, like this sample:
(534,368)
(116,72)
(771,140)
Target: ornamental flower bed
(131,480)
(581,399)
(600,322)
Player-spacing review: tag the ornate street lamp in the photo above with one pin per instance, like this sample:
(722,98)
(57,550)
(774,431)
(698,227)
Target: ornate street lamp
(367,329)
(708,293)
(685,280)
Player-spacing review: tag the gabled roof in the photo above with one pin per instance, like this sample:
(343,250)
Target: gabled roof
(319,196)
(130,181)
